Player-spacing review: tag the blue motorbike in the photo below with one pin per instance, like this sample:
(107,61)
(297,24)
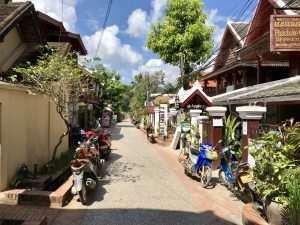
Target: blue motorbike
(198,163)
(236,176)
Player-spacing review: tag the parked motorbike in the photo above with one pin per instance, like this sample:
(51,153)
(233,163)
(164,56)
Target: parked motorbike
(235,176)
(104,144)
(199,163)
(86,170)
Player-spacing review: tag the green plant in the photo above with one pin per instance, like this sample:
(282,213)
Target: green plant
(194,137)
(276,153)
(229,129)
(291,213)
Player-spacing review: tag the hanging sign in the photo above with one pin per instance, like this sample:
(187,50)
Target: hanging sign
(285,33)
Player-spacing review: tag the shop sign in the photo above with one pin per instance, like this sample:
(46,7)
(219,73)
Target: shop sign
(195,106)
(285,33)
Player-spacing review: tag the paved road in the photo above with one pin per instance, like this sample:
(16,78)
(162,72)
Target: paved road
(144,184)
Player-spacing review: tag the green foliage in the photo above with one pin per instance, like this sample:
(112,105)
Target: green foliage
(113,90)
(229,129)
(141,88)
(276,154)
(194,139)
(181,31)
(292,210)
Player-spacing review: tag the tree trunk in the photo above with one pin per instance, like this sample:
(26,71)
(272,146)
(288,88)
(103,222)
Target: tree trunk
(60,138)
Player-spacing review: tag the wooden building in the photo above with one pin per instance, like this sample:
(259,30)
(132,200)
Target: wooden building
(247,71)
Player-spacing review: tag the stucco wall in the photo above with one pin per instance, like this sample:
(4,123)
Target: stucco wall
(29,130)
(11,48)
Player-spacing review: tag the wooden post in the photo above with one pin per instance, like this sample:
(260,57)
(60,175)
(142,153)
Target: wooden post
(258,76)
(250,115)
(216,114)
(294,63)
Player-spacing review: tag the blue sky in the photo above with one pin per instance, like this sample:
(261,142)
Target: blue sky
(122,45)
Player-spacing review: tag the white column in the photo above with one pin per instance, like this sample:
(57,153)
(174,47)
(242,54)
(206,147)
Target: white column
(156,120)
(195,113)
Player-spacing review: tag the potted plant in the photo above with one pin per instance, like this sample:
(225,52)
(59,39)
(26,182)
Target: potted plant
(276,153)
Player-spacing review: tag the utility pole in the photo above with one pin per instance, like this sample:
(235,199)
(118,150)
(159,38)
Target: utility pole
(182,61)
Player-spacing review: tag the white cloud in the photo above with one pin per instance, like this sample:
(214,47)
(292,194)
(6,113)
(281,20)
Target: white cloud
(92,24)
(153,65)
(53,9)
(215,20)
(111,51)
(139,22)
(138,26)
(157,9)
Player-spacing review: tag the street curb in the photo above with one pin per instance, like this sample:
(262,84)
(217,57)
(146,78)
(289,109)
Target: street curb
(250,216)
(37,197)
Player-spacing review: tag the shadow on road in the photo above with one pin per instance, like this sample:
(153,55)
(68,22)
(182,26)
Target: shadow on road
(137,216)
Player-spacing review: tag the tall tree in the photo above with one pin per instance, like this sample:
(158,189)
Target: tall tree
(182,33)
(59,77)
(143,85)
(114,90)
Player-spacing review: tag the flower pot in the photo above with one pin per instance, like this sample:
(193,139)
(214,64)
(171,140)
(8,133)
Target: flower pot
(274,213)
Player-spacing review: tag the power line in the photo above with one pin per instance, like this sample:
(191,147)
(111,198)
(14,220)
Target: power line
(104,25)
(208,62)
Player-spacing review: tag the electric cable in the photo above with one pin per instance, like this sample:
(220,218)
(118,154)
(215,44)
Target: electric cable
(242,38)
(104,26)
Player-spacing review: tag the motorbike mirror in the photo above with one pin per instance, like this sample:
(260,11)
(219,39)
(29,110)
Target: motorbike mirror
(220,141)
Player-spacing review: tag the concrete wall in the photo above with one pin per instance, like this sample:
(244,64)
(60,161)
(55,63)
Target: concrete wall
(11,48)
(29,130)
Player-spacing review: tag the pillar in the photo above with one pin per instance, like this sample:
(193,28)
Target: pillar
(250,115)
(156,120)
(216,114)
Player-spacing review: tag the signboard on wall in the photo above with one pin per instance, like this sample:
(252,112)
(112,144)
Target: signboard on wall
(285,33)
(163,114)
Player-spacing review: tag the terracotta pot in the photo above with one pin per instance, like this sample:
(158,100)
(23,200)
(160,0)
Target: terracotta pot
(274,213)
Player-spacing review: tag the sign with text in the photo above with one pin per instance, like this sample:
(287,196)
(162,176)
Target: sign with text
(163,113)
(285,33)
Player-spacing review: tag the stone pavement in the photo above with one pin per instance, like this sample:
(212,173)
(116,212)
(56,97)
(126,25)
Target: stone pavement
(144,183)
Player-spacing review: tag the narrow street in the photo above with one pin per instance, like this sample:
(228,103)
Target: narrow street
(144,184)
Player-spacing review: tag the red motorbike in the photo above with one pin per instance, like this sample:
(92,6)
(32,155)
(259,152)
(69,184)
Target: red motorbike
(104,144)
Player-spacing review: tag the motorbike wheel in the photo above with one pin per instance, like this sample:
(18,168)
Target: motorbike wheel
(83,194)
(222,177)
(205,175)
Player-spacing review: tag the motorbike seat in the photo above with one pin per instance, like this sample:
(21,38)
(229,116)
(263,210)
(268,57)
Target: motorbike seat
(242,165)
(194,151)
